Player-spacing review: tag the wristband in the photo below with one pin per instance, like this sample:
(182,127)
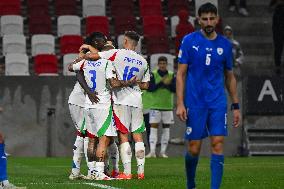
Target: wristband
(235,106)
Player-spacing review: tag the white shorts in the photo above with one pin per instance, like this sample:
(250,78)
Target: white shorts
(100,122)
(128,119)
(78,117)
(156,116)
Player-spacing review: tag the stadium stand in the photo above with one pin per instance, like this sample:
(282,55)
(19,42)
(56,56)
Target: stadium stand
(150,7)
(16,64)
(46,65)
(14,43)
(65,7)
(68,25)
(124,23)
(43,44)
(174,6)
(154,26)
(94,8)
(10,7)
(67,59)
(40,24)
(97,23)
(122,8)
(70,44)
(12,24)
(36,8)
(157,44)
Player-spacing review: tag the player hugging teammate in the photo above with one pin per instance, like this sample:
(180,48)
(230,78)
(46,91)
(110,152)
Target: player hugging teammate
(112,80)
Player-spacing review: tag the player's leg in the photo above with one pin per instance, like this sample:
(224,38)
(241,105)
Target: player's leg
(154,120)
(104,130)
(137,128)
(122,117)
(195,132)
(4,183)
(217,127)
(77,115)
(167,120)
(92,144)
(3,161)
(113,155)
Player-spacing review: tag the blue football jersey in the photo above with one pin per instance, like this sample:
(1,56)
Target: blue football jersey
(207,60)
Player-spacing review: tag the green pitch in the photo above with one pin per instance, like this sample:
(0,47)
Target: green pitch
(239,173)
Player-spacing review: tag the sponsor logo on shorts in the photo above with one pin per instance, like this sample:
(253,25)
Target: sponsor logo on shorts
(188,130)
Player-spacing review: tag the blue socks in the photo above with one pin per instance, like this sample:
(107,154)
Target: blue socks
(217,164)
(190,168)
(3,163)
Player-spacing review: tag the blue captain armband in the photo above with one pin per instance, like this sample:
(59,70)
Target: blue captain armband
(235,106)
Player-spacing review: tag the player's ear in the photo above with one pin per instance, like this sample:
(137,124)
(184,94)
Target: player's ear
(198,20)
(218,19)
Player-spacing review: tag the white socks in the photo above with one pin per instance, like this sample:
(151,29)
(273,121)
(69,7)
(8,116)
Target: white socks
(153,139)
(165,139)
(77,154)
(113,155)
(126,155)
(140,156)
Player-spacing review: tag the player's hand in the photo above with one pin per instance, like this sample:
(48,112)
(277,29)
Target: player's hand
(83,47)
(181,112)
(166,80)
(236,118)
(93,97)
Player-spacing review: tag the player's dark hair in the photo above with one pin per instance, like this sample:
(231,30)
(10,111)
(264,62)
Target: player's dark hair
(95,36)
(162,58)
(207,8)
(132,35)
(107,47)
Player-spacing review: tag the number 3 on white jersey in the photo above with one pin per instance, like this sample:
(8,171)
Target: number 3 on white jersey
(208,59)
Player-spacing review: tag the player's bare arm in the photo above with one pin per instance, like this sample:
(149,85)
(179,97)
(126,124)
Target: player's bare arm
(115,83)
(143,85)
(180,78)
(231,85)
(92,95)
(93,55)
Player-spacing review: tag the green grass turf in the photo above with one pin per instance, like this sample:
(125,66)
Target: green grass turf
(239,173)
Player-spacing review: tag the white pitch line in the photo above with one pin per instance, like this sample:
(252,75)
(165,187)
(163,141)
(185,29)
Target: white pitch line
(101,185)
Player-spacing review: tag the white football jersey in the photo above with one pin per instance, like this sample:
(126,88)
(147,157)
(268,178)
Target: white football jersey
(127,64)
(96,74)
(77,96)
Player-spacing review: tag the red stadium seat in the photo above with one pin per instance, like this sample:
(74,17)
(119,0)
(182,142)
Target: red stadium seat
(124,23)
(10,7)
(65,7)
(40,24)
(36,7)
(148,8)
(154,26)
(157,44)
(45,64)
(122,7)
(98,24)
(70,44)
(174,6)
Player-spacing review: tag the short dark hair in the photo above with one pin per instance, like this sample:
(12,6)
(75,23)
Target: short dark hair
(132,35)
(162,58)
(207,8)
(95,36)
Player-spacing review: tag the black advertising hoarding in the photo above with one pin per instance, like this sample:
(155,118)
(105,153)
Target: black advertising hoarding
(264,95)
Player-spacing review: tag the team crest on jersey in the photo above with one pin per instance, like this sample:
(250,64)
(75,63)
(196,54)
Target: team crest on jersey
(220,51)
(180,53)
(188,130)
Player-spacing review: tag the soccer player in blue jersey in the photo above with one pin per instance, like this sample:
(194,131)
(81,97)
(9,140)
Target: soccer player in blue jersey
(205,67)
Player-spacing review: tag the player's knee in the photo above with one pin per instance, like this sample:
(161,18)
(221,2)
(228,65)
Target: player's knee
(217,147)
(194,149)
(1,138)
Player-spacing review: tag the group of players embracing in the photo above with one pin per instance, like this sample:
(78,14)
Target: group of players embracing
(106,102)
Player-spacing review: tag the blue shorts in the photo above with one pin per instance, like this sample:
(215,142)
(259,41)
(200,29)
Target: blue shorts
(204,122)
